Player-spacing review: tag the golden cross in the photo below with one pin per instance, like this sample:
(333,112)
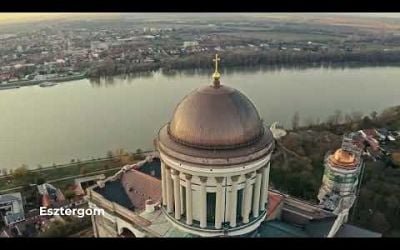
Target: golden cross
(216,60)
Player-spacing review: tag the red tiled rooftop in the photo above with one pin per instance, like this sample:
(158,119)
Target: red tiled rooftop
(274,200)
(140,187)
(370,132)
(77,189)
(46,202)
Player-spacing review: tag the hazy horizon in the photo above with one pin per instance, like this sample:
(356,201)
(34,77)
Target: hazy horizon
(9,18)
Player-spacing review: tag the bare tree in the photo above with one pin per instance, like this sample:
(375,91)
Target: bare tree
(309,122)
(295,120)
(338,117)
(373,115)
(317,121)
(356,116)
(330,121)
(348,118)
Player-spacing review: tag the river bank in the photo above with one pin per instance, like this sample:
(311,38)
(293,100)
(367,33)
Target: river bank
(65,173)
(23,83)
(150,70)
(272,58)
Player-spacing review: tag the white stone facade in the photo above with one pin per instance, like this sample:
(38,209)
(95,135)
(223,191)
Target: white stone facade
(188,209)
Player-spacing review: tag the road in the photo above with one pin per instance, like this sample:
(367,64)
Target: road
(65,178)
(145,153)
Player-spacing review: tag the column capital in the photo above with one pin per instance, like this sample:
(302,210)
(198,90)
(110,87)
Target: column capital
(188,176)
(203,179)
(174,172)
(235,178)
(219,179)
(249,175)
(260,170)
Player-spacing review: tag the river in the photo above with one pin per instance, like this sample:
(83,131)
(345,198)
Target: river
(83,119)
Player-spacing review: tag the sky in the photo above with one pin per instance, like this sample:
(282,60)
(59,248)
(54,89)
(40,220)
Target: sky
(26,17)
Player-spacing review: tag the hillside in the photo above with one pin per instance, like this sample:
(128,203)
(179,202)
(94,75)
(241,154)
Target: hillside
(297,169)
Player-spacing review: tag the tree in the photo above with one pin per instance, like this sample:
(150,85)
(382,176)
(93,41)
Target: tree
(40,180)
(26,188)
(309,122)
(20,172)
(23,176)
(69,194)
(330,121)
(295,120)
(379,222)
(348,118)
(366,122)
(317,121)
(356,116)
(82,170)
(338,117)
(110,154)
(120,153)
(374,115)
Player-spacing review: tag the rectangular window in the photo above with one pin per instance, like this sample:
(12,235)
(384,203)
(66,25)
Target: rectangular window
(211,201)
(239,204)
(183,199)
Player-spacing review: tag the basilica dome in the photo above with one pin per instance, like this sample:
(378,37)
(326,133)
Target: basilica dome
(216,126)
(216,117)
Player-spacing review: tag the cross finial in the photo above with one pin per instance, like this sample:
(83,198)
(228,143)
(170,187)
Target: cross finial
(216,74)
(216,60)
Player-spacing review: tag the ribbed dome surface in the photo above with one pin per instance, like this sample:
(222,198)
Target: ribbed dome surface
(211,117)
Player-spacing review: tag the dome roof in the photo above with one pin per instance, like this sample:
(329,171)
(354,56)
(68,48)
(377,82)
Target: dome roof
(216,118)
(343,158)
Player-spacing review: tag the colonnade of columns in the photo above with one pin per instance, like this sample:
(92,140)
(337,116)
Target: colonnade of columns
(255,196)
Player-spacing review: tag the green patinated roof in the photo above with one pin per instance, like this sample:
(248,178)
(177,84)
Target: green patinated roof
(277,228)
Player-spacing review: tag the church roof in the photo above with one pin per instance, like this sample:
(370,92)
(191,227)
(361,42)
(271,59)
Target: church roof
(140,187)
(133,187)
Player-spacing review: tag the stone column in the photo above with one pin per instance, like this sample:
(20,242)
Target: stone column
(232,221)
(247,199)
(94,225)
(177,194)
(170,196)
(263,195)
(181,199)
(163,184)
(257,192)
(219,203)
(203,202)
(267,184)
(189,210)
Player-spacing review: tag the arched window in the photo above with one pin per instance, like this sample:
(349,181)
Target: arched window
(126,233)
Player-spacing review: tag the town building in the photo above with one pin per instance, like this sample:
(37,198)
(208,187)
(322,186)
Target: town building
(188,44)
(209,177)
(50,195)
(11,208)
